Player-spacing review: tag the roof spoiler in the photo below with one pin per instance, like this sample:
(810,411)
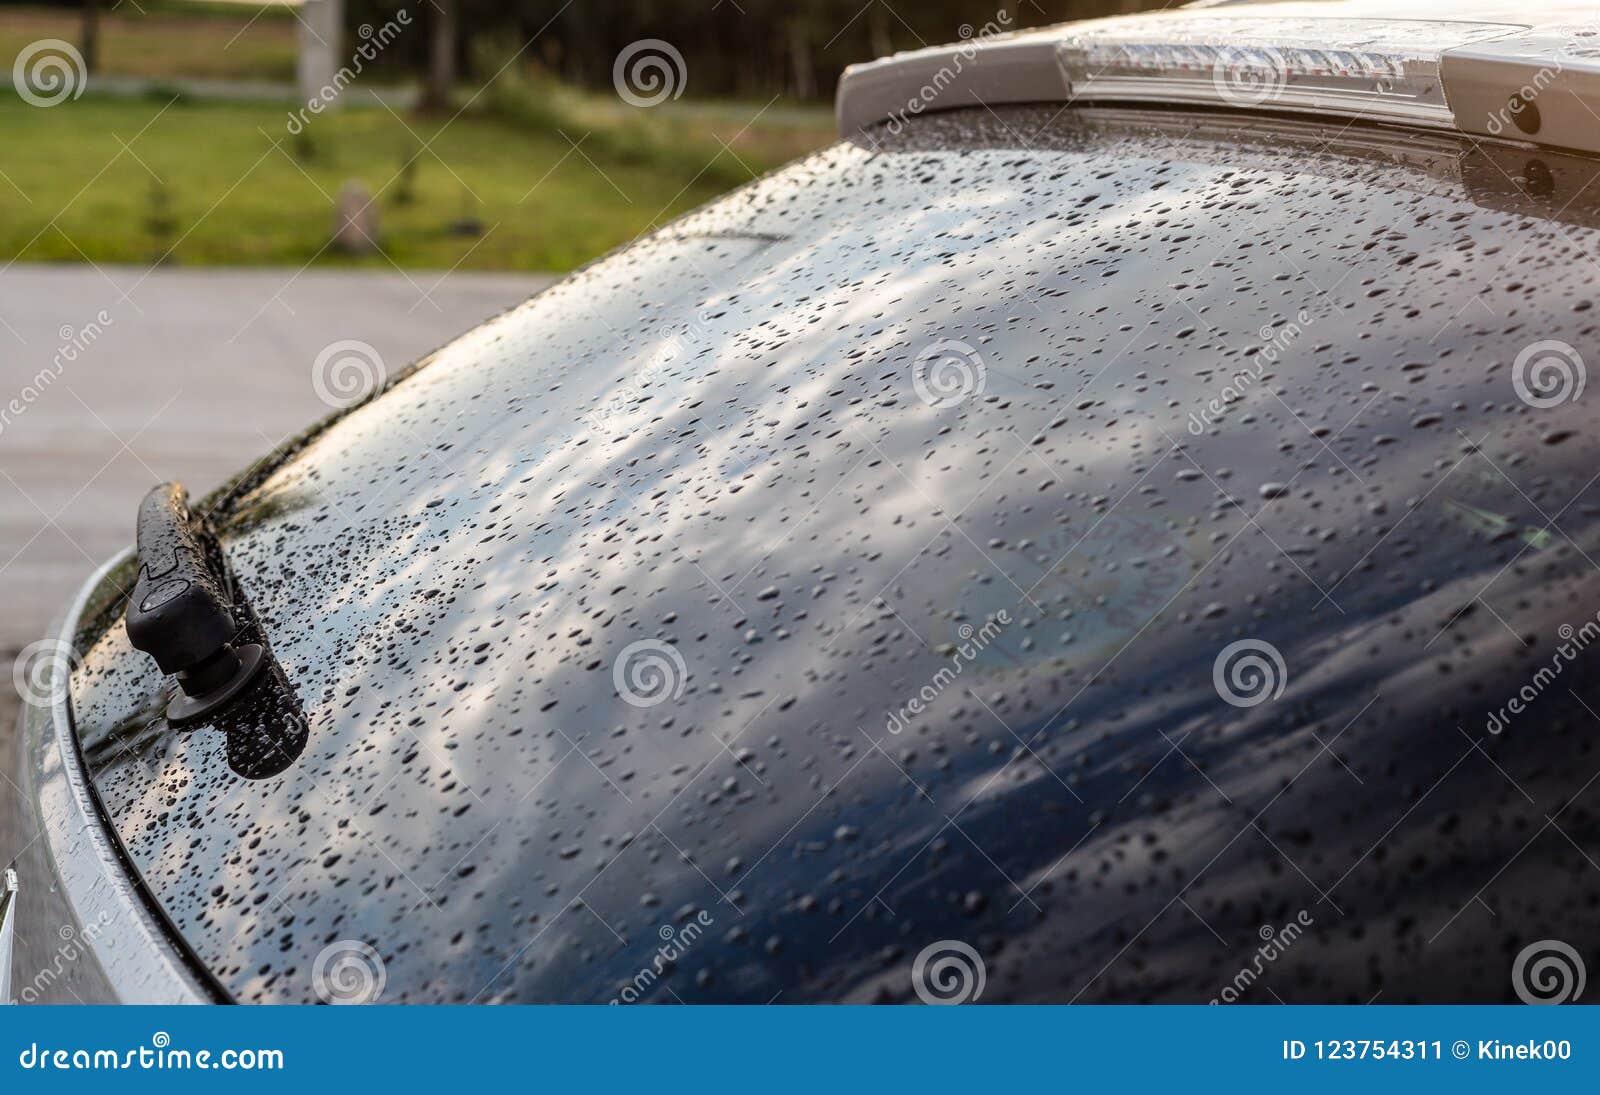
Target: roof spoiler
(1502,80)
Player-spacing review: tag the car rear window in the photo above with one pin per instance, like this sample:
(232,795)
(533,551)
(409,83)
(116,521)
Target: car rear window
(1110,540)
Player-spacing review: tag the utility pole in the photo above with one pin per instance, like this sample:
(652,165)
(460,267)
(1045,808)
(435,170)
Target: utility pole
(321,30)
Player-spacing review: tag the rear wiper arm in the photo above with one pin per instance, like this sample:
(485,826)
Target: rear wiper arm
(181,613)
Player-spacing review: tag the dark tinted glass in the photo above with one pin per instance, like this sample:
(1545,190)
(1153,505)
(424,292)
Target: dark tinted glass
(1105,541)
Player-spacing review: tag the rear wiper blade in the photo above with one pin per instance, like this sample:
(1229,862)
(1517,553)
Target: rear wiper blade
(181,613)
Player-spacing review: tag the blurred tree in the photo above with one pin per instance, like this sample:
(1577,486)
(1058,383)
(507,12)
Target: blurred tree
(756,49)
(442,49)
(805,74)
(751,49)
(91,37)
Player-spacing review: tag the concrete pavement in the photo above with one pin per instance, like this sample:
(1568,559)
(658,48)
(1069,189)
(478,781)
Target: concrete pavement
(173,374)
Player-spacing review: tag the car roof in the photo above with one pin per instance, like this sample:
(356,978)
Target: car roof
(1470,67)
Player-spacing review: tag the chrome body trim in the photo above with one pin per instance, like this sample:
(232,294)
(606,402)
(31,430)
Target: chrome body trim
(8,931)
(110,943)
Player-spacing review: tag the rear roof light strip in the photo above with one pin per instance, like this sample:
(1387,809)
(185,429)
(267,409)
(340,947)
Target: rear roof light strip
(1475,78)
(1387,71)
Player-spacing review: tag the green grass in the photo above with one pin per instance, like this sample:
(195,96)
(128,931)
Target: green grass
(201,182)
(226,195)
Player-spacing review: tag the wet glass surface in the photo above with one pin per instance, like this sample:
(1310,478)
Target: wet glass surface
(864,563)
